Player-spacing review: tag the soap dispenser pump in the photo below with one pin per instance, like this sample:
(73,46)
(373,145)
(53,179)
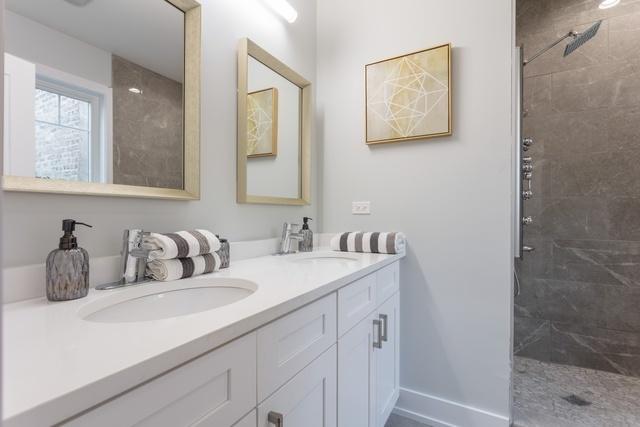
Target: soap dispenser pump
(306,244)
(68,267)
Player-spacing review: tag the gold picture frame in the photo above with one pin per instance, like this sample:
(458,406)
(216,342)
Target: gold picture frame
(408,97)
(191,133)
(262,123)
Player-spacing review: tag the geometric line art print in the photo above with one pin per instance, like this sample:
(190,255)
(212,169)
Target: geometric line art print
(408,97)
(262,123)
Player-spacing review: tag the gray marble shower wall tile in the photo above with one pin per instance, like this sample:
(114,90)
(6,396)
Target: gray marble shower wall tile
(147,135)
(580,290)
(596,348)
(532,338)
(581,303)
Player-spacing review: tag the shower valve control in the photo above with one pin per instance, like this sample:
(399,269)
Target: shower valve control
(527,194)
(527,142)
(527,220)
(527,168)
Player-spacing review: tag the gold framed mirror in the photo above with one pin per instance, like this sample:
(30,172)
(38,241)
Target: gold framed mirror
(274,130)
(114,95)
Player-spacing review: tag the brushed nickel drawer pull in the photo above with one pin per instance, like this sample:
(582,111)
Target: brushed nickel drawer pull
(378,324)
(385,326)
(276,418)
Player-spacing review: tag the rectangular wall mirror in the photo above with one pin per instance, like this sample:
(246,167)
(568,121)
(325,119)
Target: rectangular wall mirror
(273,130)
(102,97)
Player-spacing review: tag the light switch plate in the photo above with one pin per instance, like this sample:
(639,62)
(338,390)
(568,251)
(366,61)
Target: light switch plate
(361,208)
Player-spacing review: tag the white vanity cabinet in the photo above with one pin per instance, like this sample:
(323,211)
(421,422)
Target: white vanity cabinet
(331,363)
(368,356)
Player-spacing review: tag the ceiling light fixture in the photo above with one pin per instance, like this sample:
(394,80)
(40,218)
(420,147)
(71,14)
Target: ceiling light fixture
(284,9)
(135,90)
(606,4)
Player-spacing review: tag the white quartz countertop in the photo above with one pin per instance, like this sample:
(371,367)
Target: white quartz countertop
(56,364)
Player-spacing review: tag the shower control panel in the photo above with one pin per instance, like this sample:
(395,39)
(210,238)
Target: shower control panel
(526,169)
(527,143)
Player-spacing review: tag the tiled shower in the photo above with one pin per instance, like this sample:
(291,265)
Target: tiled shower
(579,300)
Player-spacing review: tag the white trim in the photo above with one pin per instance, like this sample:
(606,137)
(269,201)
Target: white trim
(439,412)
(19,114)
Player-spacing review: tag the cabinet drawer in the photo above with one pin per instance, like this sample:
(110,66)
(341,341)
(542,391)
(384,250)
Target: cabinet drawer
(388,282)
(308,399)
(216,389)
(289,344)
(355,302)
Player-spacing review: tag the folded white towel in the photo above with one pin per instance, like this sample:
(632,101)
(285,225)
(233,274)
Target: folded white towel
(181,268)
(374,242)
(181,244)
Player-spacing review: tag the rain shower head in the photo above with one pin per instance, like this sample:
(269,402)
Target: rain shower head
(581,38)
(578,40)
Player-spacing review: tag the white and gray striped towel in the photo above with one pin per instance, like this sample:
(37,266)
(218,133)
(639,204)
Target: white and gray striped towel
(181,268)
(374,242)
(181,244)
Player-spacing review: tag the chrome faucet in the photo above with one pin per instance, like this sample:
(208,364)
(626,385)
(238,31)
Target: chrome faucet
(134,261)
(287,236)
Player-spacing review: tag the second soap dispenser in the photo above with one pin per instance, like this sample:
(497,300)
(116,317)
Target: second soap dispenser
(306,244)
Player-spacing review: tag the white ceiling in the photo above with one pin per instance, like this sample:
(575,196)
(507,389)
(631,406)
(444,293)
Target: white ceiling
(149,33)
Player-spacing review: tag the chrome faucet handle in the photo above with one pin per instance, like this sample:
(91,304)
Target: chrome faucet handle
(140,253)
(134,260)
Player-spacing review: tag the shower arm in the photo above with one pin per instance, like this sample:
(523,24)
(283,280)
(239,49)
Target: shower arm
(551,46)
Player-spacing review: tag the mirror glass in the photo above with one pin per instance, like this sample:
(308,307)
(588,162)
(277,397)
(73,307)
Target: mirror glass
(274,125)
(94,91)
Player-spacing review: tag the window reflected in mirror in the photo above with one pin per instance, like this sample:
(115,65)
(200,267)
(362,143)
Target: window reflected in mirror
(94,91)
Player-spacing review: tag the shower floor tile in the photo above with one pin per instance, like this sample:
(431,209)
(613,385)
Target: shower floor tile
(551,395)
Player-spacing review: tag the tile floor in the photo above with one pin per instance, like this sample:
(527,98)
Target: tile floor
(551,395)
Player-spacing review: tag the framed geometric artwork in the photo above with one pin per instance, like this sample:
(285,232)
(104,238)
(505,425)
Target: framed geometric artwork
(262,123)
(409,97)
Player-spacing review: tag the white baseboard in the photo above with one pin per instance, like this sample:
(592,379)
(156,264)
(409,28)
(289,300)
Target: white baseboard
(438,412)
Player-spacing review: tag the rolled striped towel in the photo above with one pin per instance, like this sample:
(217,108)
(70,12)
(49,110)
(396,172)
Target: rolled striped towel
(374,242)
(181,244)
(181,268)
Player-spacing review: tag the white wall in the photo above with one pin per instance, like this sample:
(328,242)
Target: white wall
(450,195)
(31,223)
(40,44)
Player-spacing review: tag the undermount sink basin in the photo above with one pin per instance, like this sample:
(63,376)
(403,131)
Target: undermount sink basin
(155,301)
(323,258)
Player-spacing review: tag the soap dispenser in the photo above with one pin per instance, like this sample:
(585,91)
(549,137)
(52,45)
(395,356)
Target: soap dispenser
(68,267)
(306,244)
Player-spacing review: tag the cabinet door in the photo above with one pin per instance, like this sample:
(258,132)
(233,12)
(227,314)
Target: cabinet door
(307,400)
(248,421)
(387,385)
(356,374)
